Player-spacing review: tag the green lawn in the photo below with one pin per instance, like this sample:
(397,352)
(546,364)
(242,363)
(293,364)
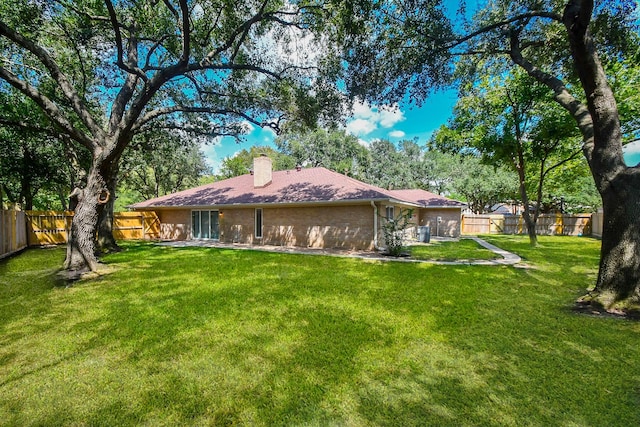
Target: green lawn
(463,250)
(203,336)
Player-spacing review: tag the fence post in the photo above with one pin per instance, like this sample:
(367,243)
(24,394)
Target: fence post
(14,242)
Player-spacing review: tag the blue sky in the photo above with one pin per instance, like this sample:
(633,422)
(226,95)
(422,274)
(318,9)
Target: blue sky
(631,153)
(367,123)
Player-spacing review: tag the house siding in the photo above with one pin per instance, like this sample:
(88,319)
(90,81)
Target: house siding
(345,227)
(174,224)
(237,225)
(448,227)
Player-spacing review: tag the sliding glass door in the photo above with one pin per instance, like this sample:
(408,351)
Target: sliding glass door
(205,225)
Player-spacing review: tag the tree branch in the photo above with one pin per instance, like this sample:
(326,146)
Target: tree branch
(126,66)
(153,48)
(450,44)
(605,146)
(189,129)
(557,165)
(242,29)
(128,88)
(70,5)
(155,114)
(49,107)
(61,79)
(186,32)
(562,96)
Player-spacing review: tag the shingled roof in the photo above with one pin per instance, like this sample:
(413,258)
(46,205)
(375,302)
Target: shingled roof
(313,185)
(425,198)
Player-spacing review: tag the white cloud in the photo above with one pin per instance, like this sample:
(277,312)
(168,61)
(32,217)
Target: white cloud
(209,149)
(363,110)
(270,132)
(247,127)
(361,127)
(389,117)
(397,134)
(367,119)
(631,148)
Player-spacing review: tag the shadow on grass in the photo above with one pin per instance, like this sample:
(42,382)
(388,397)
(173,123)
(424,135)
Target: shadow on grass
(206,336)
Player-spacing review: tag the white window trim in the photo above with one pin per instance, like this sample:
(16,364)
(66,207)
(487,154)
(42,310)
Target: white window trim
(390,210)
(200,211)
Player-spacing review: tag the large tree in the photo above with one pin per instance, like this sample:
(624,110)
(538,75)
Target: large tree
(333,149)
(104,71)
(401,46)
(510,120)
(160,162)
(34,172)
(483,187)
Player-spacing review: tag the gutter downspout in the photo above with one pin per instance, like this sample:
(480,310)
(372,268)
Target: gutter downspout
(375,226)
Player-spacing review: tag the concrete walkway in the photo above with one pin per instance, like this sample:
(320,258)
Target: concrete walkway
(508,258)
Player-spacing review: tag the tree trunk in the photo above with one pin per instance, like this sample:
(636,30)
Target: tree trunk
(529,222)
(619,275)
(106,242)
(618,285)
(64,202)
(81,244)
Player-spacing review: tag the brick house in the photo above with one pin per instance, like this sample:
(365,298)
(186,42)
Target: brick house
(312,207)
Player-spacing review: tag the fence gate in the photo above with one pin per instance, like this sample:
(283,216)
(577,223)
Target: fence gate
(53,227)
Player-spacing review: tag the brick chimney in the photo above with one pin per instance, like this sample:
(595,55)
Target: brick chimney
(261,171)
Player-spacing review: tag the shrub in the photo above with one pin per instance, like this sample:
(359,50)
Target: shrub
(394,232)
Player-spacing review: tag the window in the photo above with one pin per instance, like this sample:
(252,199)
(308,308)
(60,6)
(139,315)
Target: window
(258,223)
(205,225)
(390,213)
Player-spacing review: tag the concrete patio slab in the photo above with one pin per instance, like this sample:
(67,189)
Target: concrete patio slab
(507,258)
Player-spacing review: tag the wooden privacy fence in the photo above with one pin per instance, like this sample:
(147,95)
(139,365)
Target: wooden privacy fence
(52,227)
(597,221)
(548,224)
(13,234)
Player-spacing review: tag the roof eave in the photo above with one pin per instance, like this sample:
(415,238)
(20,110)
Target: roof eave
(269,204)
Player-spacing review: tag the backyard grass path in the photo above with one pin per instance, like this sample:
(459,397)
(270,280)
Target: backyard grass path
(210,336)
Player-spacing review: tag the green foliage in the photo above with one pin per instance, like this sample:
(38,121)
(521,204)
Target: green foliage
(387,169)
(393,50)
(572,184)
(313,340)
(510,121)
(624,77)
(483,186)
(394,232)
(161,162)
(242,162)
(408,166)
(333,149)
(34,173)
(105,73)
